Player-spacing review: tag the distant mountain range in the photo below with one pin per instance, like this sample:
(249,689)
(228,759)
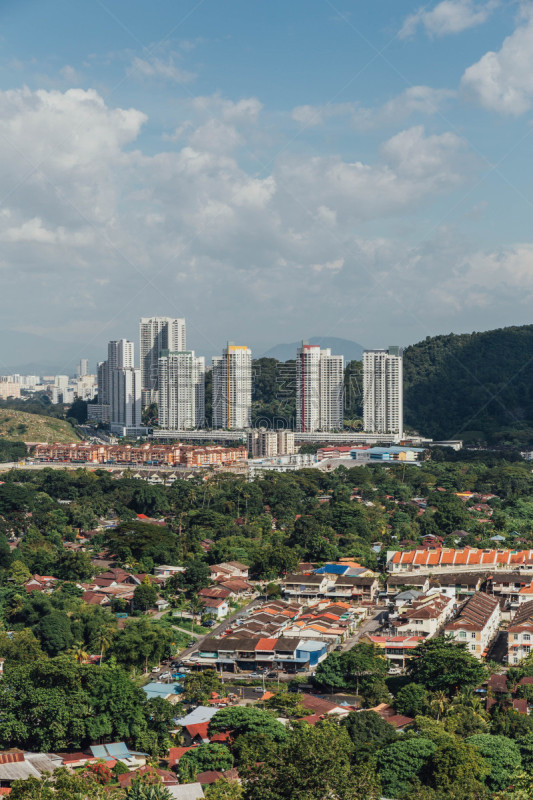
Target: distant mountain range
(30,354)
(352,351)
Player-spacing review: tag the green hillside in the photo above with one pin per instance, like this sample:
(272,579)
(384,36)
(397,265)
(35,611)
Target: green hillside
(34,427)
(478,387)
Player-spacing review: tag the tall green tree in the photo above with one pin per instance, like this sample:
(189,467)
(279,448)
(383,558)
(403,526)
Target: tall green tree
(439,664)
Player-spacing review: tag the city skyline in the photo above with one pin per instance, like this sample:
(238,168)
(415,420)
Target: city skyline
(370,178)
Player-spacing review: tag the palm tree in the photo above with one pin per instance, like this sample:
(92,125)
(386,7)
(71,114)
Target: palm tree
(80,655)
(439,703)
(104,639)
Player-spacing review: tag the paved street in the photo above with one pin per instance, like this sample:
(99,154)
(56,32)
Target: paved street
(217,630)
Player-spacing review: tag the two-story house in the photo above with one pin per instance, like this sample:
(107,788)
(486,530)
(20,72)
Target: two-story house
(477,623)
(520,634)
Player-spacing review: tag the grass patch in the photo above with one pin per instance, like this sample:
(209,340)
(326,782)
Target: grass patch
(35,428)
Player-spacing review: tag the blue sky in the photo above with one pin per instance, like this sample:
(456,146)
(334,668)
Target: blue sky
(270,171)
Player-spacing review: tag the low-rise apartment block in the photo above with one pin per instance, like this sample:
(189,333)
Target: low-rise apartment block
(170,455)
(426,616)
(520,634)
(477,623)
(447,559)
(350,588)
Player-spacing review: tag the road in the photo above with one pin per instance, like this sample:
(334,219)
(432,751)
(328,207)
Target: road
(219,629)
(370,625)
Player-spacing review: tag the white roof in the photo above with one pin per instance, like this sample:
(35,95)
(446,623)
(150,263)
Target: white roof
(187,791)
(197,716)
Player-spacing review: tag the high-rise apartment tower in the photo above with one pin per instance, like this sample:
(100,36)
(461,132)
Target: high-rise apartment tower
(155,335)
(383,391)
(232,388)
(319,389)
(181,393)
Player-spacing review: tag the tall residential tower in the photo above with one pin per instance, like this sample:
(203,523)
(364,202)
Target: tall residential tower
(319,389)
(383,391)
(181,394)
(157,334)
(232,388)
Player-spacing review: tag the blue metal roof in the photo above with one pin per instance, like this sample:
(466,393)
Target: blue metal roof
(332,569)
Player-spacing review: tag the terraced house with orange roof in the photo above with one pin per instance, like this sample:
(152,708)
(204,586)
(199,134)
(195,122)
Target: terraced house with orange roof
(443,559)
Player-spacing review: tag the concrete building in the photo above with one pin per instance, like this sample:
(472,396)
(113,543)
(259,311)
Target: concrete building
(383,391)
(447,559)
(83,368)
(267,443)
(232,388)
(181,393)
(477,623)
(155,335)
(319,389)
(125,411)
(120,355)
(8,388)
(425,616)
(520,634)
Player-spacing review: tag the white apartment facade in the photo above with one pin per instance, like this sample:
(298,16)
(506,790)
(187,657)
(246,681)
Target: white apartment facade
(425,616)
(232,388)
(264,443)
(125,410)
(181,393)
(319,389)
(477,623)
(520,634)
(383,391)
(155,335)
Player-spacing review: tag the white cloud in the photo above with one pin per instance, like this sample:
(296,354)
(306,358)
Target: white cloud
(414,100)
(503,81)
(158,68)
(70,74)
(246,110)
(101,230)
(413,167)
(448,16)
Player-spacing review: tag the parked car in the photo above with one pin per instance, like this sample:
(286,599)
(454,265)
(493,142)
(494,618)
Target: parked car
(156,670)
(165,676)
(191,643)
(256,675)
(209,623)
(339,648)
(259,689)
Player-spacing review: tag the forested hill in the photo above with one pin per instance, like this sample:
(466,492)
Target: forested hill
(475,386)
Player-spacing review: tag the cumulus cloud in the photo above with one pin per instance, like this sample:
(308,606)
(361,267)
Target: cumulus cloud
(447,17)
(503,81)
(154,67)
(104,231)
(415,100)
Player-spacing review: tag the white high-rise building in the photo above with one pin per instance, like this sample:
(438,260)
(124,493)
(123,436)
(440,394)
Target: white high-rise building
(126,398)
(319,389)
(181,393)
(83,368)
(120,355)
(155,335)
(232,388)
(383,391)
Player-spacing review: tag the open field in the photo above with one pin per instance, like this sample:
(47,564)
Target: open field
(21,426)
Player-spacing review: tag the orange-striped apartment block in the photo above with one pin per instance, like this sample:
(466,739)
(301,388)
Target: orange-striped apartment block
(442,559)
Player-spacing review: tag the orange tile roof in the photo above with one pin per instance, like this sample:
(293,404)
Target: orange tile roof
(266,644)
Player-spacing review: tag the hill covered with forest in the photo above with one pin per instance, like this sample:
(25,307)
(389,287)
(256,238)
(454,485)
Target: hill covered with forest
(477,387)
